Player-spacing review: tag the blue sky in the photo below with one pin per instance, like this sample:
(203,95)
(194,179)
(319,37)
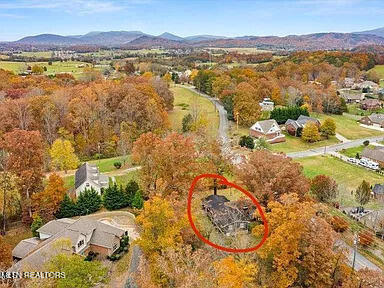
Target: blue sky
(19,18)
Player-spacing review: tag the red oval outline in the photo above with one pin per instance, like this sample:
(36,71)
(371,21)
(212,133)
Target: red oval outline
(224,181)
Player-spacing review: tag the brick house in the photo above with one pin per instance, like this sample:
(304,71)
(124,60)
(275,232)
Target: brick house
(375,154)
(294,127)
(374,119)
(269,129)
(370,104)
(84,234)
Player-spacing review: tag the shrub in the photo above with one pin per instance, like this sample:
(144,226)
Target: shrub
(117,165)
(339,224)
(247,141)
(36,224)
(366,143)
(366,238)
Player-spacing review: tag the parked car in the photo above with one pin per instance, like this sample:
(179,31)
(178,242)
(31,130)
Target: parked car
(353,160)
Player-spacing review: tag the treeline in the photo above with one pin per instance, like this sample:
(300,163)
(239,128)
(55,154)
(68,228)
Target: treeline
(114,197)
(281,115)
(96,115)
(308,83)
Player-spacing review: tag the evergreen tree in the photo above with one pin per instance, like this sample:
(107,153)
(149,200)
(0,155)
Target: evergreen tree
(130,191)
(88,202)
(187,122)
(115,198)
(68,208)
(36,224)
(138,201)
(247,141)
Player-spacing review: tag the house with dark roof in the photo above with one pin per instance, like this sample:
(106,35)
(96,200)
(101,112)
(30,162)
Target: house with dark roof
(227,216)
(351,96)
(378,192)
(84,234)
(89,177)
(269,129)
(370,104)
(375,154)
(294,127)
(374,119)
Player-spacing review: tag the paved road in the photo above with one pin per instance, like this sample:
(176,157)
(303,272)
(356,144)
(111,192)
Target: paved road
(360,262)
(333,148)
(223,125)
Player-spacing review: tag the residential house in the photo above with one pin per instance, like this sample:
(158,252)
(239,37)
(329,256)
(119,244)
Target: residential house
(370,104)
(378,192)
(348,82)
(267,104)
(269,129)
(351,97)
(372,86)
(374,119)
(227,216)
(88,177)
(84,235)
(294,127)
(375,154)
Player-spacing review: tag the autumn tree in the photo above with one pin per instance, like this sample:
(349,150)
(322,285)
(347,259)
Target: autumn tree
(169,162)
(26,161)
(47,202)
(235,274)
(328,127)
(246,104)
(161,227)
(5,255)
(9,197)
(310,133)
(36,69)
(63,155)
(363,193)
(268,176)
(300,247)
(324,188)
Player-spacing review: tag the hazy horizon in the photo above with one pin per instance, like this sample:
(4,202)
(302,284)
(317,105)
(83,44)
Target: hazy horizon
(230,18)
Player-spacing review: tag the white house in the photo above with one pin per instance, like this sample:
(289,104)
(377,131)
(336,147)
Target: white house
(267,104)
(88,177)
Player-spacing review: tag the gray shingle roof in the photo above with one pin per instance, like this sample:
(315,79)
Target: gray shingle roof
(55,226)
(301,121)
(90,172)
(378,189)
(376,118)
(25,246)
(375,153)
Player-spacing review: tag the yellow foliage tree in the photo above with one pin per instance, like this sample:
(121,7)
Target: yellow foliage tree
(63,155)
(148,74)
(234,274)
(161,227)
(167,78)
(246,104)
(328,127)
(276,96)
(310,133)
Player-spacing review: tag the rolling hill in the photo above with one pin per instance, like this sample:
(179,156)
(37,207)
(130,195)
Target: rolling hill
(328,41)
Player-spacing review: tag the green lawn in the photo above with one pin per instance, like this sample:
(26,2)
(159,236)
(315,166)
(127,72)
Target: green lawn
(351,152)
(106,165)
(348,127)
(294,144)
(123,180)
(379,69)
(354,109)
(187,101)
(348,176)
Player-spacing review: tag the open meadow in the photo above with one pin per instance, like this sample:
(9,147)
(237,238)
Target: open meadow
(186,102)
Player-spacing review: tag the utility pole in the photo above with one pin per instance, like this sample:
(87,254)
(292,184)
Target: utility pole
(354,251)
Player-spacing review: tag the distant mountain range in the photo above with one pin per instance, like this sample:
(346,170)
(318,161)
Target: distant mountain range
(138,39)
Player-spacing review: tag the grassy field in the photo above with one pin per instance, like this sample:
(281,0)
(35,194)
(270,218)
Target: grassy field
(187,101)
(56,67)
(354,109)
(348,176)
(348,127)
(294,144)
(351,152)
(106,165)
(124,179)
(379,69)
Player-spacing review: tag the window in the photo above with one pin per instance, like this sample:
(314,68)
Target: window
(87,184)
(81,243)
